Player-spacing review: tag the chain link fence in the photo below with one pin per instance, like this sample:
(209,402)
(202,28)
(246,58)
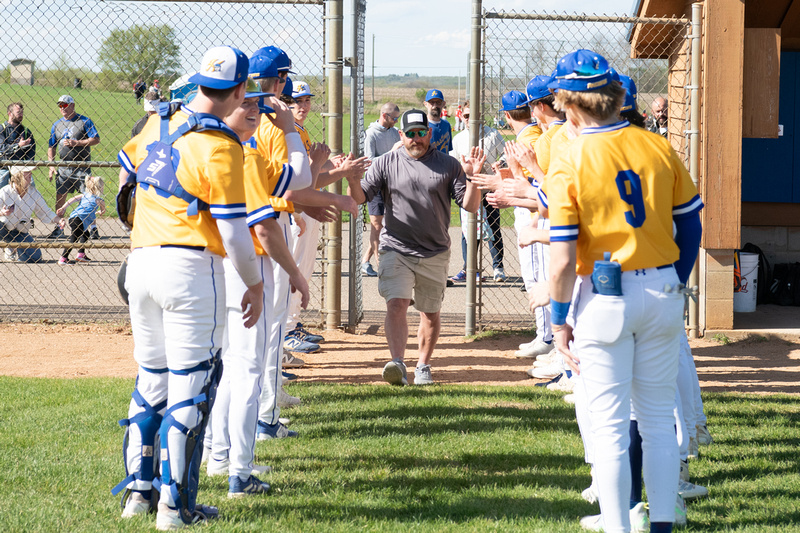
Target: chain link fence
(518,46)
(107,56)
(357,226)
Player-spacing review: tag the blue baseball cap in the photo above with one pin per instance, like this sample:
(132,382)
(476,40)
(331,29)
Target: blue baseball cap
(581,70)
(277,57)
(288,87)
(434,93)
(537,88)
(301,88)
(262,65)
(222,67)
(614,74)
(514,100)
(252,90)
(630,93)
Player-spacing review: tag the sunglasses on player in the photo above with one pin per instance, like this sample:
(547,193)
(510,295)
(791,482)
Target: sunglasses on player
(420,134)
(62,105)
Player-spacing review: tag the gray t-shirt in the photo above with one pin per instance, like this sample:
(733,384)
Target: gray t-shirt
(379,140)
(417,195)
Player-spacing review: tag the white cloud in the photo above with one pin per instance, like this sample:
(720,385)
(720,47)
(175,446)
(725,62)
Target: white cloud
(447,39)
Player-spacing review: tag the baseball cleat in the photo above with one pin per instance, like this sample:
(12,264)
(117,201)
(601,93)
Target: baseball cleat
(287,400)
(169,519)
(680,512)
(703,436)
(304,334)
(290,361)
(266,431)
(694,449)
(136,505)
(690,491)
(252,485)
(293,344)
(590,493)
(539,347)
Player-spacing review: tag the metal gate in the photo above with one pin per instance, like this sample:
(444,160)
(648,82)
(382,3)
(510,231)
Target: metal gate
(516,46)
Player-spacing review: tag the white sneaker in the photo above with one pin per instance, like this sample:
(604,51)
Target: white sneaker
(690,491)
(684,470)
(526,345)
(637,515)
(703,436)
(562,385)
(694,449)
(590,494)
(285,421)
(569,398)
(168,519)
(286,400)
(550,356)
(136,505)
(290,361)
(547,372)
(539,347)
(680,512)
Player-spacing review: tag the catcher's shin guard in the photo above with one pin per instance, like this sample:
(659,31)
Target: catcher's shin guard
(147,422)
(184,491)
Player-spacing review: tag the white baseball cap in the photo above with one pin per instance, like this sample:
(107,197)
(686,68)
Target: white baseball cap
(222,67)
(301,88)
(65,99)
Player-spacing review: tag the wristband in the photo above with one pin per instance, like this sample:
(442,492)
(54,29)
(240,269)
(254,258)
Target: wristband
(558,312)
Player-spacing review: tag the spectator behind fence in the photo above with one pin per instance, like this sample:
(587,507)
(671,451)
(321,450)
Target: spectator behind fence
(16,141)
(151,101)
(73,135)
(18,201)
(657,122)
(139,88)
(90,205)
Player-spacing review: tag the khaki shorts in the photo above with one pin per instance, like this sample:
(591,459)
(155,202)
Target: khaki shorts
(421,280)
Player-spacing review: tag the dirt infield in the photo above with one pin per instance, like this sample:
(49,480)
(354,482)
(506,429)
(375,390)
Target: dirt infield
(754,364)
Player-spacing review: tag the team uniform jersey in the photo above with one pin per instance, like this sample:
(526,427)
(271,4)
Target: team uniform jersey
(559,143)
(271,144)
(210,168)
(259,184)
(529,136)
(617,189)
(304,137)
(441,136)
(543,144)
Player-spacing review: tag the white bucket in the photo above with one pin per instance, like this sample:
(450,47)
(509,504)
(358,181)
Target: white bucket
(744,300)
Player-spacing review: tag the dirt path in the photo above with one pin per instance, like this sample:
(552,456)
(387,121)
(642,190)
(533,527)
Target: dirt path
(754,364)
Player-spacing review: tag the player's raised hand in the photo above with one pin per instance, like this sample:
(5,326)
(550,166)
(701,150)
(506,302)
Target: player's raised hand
(346,203)
(283,119)
(519,188)
(320,152)
(355,167)
(473,163)
(322,214)
(487,182)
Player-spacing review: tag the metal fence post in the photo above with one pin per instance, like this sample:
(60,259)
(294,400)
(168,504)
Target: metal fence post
(476,121)
(333,63)
(694,146)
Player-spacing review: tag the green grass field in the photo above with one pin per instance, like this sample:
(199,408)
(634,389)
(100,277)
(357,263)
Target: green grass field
(382,459)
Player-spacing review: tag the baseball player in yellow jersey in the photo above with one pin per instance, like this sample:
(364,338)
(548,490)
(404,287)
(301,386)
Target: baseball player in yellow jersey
(266,65)
(176,285)
(245,350)
(614,197)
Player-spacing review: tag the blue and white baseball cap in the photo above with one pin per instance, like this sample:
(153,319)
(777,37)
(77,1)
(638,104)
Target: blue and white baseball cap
(288,87)
(263,65)
(537,88)
(581,70)
(301,88)
(222,67)
(434,93)
(630,93)
(252,90)
(514,100)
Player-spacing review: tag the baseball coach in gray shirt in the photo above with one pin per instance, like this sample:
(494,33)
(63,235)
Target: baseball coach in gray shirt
(417,183)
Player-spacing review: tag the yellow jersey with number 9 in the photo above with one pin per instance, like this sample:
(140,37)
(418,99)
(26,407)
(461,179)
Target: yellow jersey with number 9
(617,189)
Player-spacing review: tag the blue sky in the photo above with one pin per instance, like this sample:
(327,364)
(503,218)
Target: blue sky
(432,37)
